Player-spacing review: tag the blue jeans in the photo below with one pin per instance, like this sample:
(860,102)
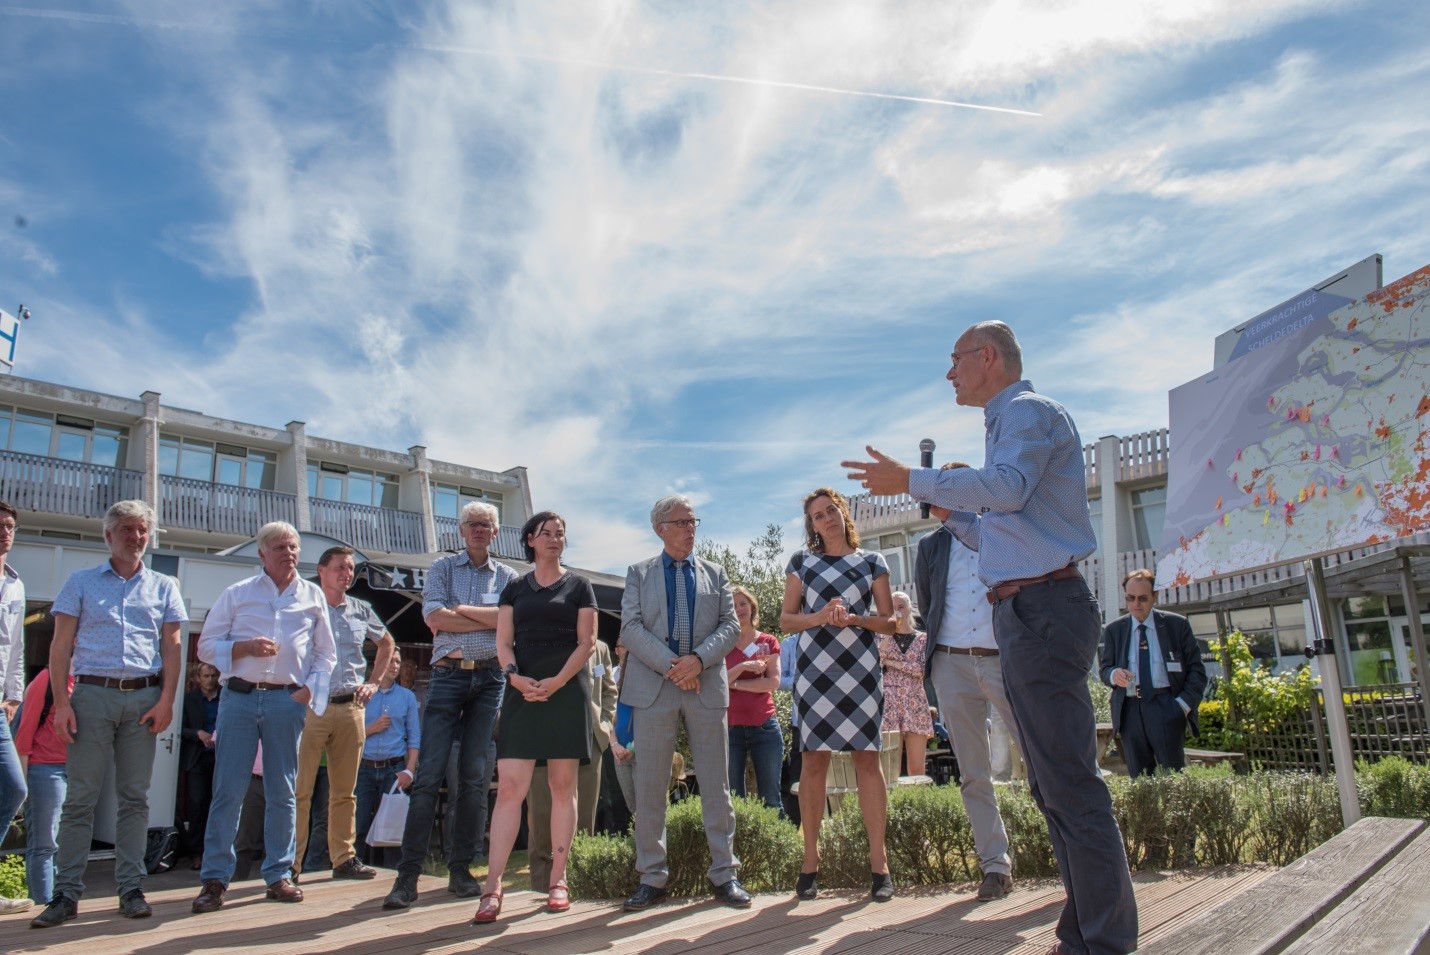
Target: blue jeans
(372,784)
(12,778)
(245,719)
(766,747)
(461,706)
(42,826)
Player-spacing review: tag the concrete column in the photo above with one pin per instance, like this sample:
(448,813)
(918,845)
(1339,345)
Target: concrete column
(298,431)
(422,469)
(149,428)
(1109,468)
(526,509)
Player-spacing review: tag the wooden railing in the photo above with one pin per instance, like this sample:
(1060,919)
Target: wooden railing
(36,483)
(368,528)
(1139,456)
(873,513)
(221,508)
(507,544)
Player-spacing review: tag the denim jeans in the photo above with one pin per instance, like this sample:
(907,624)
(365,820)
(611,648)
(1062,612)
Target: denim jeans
(461,706)
(372,784)
(245,719)
(766,747)
(42,825)
(109,734)
(12,778)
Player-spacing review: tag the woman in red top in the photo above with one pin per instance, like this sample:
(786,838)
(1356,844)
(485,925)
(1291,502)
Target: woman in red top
(43,756)
(753,668)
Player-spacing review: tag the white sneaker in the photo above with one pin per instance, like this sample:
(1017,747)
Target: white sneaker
(14,905)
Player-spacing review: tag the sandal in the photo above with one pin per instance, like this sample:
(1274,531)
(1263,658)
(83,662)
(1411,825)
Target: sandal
(807,887)
(558,898)
(489,908)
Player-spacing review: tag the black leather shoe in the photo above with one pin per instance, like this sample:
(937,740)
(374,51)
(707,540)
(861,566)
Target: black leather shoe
(403,894)
(644,897)
(807,887)
(733,894)
(461,884)
(133,906)
(995,885)
(354,869)
(60,910)
(881,886)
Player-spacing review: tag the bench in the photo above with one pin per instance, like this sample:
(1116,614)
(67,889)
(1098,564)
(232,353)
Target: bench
(1361,892)
(1214,757)
(841,780)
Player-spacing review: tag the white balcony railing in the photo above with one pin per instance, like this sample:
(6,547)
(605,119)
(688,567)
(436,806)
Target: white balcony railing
(368,528)
(54,486)
(507,544)
(221,508)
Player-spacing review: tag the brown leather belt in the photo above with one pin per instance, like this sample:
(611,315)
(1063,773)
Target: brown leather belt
(1009,588)
(967,651)
(133,683)
(341,698)
(383,763)
(240,685)
(488,664)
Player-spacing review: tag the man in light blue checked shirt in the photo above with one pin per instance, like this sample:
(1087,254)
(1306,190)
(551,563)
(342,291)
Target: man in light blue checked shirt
(1025,512)
(464,692)
(389,756)
(117,631)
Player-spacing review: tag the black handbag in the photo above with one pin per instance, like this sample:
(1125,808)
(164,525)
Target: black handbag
(163,845)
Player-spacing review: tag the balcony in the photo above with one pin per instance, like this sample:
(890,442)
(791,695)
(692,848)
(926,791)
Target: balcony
(881,513)
(1139,456)
(368,528)
(54,486)
(185,503)
(507,544)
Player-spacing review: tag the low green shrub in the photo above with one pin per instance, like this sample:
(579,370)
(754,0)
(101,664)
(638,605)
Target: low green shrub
(601,866)
(1394,786)
(12,877)
(1294,813)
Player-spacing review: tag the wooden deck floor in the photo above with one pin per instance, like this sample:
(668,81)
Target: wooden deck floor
(346,918)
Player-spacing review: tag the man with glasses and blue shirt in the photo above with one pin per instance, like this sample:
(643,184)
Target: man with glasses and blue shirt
(117,631)
(678,623)
(1154,665)
(12,681)
(464,693)
(1025,513)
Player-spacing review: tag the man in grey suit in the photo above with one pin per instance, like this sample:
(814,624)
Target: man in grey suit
(677,624)
(967,675)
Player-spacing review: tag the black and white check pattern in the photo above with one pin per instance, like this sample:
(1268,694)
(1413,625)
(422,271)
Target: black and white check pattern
(838,684)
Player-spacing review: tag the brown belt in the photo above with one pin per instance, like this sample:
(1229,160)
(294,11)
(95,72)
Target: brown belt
(133,683)
(240,685)
(967,651)
(341,698)
(1009,588)
(488,664)
(383,763)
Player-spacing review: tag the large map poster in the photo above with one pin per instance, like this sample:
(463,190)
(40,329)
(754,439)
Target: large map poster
(1312,446)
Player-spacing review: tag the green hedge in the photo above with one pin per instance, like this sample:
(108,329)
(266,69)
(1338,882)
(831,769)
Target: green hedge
(1199,817)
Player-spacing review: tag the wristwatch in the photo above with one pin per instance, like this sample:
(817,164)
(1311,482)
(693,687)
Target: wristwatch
(510,670)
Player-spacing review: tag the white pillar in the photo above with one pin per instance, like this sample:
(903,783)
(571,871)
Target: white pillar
(298,431)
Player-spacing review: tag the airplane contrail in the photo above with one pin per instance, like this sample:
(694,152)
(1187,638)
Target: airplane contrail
(117,20)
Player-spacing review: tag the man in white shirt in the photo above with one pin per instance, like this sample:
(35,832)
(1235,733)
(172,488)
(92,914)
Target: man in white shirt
(272,642)
(963,663)
(12,680)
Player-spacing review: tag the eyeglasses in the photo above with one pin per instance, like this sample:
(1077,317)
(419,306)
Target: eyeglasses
(1138,598)
(478,526)
(966,351)
(685,524)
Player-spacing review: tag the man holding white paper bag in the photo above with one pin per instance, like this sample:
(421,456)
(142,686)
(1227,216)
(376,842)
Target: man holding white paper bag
(389,756)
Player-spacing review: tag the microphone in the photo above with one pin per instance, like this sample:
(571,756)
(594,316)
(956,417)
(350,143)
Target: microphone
(926,447)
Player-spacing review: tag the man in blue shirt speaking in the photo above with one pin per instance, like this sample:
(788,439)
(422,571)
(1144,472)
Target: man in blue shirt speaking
(1025,513)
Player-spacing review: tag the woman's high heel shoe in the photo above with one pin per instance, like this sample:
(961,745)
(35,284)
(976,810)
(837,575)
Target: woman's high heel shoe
(808,885)
(489,909)
(558,898)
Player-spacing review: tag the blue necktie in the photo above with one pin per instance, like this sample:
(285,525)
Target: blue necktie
(1144,660)
(682,611)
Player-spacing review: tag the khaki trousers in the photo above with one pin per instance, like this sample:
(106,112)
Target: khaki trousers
(341,732)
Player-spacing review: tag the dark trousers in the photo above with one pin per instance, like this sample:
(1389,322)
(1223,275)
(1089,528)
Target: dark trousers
(372,784)
(461,706)
(1153,730)
(198,793)
(1048,635)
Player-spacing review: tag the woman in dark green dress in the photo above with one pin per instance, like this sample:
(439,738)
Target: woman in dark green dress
(546,630)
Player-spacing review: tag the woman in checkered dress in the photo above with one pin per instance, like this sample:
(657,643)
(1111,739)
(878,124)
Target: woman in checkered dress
(838,596)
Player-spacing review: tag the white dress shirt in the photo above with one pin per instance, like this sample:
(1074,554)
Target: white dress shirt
(296,619)
(967,614)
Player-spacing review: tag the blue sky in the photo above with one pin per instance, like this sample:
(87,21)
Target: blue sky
(526,233)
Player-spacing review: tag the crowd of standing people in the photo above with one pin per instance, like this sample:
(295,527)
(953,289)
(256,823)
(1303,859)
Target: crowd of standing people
(284,696)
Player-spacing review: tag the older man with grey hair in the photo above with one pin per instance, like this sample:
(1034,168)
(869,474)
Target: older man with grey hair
(459,600)
(117,631)
(677,623)
(272,640)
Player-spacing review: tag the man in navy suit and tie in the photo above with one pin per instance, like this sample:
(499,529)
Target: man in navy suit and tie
(1154,666)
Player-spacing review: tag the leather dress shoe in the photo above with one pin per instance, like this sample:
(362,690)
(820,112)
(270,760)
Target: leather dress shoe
(211,898)
(354,869)
(644,897)
(461,883)
(133,905)
(402,894)
(61,909)
(284,891)
(995,886)
(733,894)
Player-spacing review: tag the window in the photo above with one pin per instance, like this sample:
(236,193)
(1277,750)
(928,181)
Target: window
(217,463)
(1149,508)
(338,482)
(449,499)
(63,436)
